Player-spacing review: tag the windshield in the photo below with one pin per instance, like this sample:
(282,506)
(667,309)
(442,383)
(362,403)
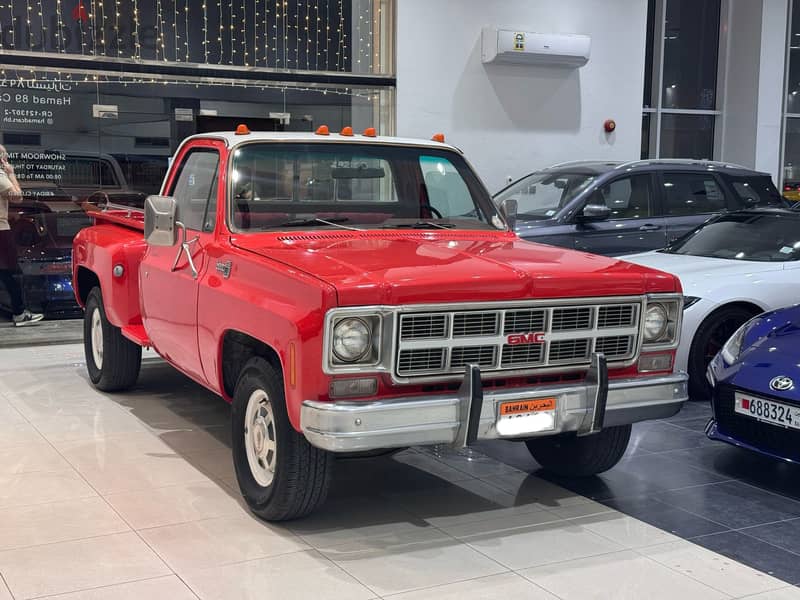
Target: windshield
(744,236)
(542,195)
(369,186)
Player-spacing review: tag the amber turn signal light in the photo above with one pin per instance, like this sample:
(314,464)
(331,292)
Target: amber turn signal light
(370,132)
(438,137)
(323,130)
(242,129)
(346,131)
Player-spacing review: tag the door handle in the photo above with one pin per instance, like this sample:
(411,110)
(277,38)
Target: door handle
(649,227)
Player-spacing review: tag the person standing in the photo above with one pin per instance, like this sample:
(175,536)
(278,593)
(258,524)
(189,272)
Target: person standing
(10,191)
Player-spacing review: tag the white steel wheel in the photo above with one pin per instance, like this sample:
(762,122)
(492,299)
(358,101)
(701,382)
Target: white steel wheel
(97,338)
(260,438)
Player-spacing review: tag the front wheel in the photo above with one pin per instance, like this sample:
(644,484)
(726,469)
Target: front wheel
(280,474)
(113,361)
(572,456)
(709,339)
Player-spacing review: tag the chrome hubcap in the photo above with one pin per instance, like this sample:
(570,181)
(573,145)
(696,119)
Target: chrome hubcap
(259,438)
(97,339)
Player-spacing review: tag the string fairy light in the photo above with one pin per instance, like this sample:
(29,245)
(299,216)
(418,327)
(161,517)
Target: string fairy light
(137,42)
(245,56)
(59,27)
(308,35)
(28,21)
(340,62)
(221,31)
(43,27)
(266,33)
(117,41)
(175,35)
(205,31)
(232,34)
(317,24)
(275,36)
(186,30)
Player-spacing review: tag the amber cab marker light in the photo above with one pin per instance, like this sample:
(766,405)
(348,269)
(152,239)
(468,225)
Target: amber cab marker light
(370,132)
(323,130)
(242,129)
(438,137)
(346,131)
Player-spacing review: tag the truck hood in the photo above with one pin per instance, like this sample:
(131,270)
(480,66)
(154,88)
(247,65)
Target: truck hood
(378,267)
(700,272)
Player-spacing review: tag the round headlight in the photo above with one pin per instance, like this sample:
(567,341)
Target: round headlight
(655,322)
(352,339)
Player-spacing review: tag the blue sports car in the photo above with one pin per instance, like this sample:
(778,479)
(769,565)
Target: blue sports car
(756,386)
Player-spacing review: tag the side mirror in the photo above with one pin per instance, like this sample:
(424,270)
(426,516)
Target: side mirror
(159,221)
(594,212)
(508,208)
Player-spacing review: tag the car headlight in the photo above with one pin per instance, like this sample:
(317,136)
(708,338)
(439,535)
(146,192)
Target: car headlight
(661,327)
(733,347)
(352,339)
(655,322)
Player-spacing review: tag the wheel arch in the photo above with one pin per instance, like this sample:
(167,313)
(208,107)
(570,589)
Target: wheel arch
(236,348)
(85,281)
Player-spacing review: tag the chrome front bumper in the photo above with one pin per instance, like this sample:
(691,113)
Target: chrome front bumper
(471,414)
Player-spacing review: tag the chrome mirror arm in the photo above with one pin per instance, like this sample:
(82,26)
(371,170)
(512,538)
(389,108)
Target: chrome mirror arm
(185,247)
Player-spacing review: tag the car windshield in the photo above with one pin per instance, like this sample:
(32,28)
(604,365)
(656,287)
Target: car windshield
(542,195)
(355,186)
(768,237)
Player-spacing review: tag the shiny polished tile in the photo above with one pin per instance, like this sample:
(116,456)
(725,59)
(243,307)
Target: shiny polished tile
(532,488)
(404,562)
(57,522)
(495,587)
(197,440)
(469,461)
(31,458)
(787,593)
(99,452)
(24,489)
(625,531)
(161,588)
(77,565)
(5,594)
(754,553)
(176,504)
(220,541)
(428,464)
(661,436)
(290,576)
(619,576)
(526,541)
(19,434)
(784,534)
(103,421)
(217,464)
(669,518)
(9,414)
(145,473)
(717,571)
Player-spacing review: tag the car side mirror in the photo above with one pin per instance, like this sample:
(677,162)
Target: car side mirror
(159,221)
(594,212)
(508,208)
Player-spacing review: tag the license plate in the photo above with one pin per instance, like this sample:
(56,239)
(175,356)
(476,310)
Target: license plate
(526,416)
(770,411)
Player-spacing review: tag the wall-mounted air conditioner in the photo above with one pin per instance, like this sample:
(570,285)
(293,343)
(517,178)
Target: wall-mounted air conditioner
(526,48)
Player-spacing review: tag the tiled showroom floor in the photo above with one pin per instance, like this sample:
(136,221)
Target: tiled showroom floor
(132,496)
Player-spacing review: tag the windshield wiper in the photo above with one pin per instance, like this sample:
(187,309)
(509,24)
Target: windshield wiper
(335,222)
(421,225)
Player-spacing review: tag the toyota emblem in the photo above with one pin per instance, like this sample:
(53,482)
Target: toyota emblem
(781,383)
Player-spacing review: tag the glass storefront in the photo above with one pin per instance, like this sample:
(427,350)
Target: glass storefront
(91,115)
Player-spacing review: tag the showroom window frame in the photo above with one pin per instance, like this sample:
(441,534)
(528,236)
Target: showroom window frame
(656,111)
(786,115)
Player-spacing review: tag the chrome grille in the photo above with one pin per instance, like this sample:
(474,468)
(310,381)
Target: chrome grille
(523,339)
(618,345)
(524,321)
(569,350)
(620,315)
(422,360)
(418,327)
(573,318)
(483,356)
(524,355)
(475,324)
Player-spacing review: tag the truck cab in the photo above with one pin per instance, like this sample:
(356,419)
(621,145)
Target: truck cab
(358,293)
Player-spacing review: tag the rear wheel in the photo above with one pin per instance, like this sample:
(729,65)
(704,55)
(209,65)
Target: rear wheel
(280,474)
(113,361)
(572,456)
(709,339)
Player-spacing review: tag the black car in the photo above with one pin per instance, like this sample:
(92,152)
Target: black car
(615,208)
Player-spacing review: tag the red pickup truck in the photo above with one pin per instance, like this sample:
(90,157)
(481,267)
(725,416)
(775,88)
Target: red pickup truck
(351,293)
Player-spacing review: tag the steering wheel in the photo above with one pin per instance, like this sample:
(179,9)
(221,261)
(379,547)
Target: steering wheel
(433,209)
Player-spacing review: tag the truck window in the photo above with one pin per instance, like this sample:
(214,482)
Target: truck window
(195,190)
(363,185)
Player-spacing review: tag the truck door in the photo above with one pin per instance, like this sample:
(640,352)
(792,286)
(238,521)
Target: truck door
(169,277)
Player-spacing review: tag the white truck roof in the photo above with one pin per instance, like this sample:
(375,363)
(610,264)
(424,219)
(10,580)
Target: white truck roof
(232,139)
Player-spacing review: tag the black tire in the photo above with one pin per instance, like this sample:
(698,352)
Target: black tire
(121,359)
(301,474)
(572,456)
(709,338)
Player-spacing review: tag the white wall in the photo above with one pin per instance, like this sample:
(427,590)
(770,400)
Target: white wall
(508,119)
